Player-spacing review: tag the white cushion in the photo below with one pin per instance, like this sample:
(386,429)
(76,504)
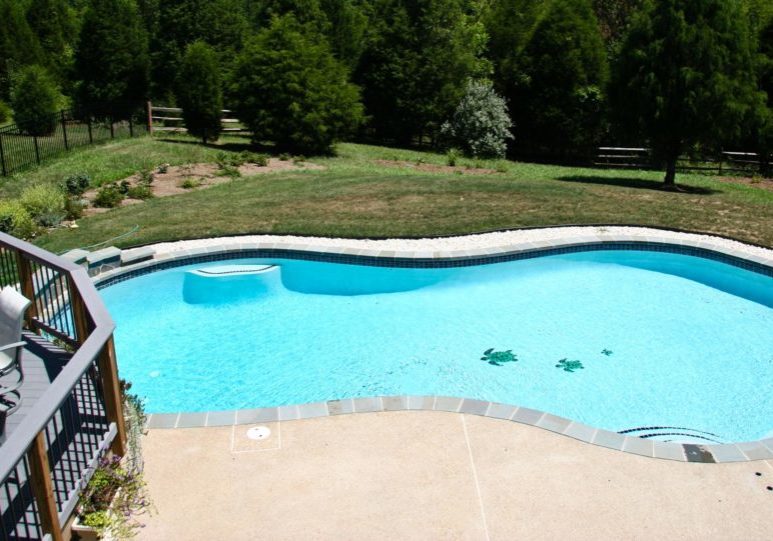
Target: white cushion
(12,308)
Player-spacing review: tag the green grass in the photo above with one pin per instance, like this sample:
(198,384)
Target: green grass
(357,197)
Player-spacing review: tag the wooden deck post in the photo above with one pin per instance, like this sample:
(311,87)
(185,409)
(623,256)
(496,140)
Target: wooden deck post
(27,288)
(80,319)
(108,369)
(43,488)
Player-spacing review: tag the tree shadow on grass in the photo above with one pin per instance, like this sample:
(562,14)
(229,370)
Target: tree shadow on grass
(229,146)
(638,183)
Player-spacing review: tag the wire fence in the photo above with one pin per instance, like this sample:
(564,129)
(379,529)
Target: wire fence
(26,144)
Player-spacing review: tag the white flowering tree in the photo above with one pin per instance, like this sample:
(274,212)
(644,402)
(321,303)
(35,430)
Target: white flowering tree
(480,126)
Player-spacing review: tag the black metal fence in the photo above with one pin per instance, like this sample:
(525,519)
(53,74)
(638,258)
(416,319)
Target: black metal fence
(25,144)
(722,163)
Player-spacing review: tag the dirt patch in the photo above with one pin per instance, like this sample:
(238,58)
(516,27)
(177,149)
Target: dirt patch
(433,168)
(179,179)
(764,183)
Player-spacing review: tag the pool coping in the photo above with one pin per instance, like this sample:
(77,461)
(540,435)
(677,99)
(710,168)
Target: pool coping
(754,258)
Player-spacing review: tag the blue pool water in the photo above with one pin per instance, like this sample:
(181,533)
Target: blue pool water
(664,339)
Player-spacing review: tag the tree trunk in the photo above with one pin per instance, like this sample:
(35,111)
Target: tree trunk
(669,182)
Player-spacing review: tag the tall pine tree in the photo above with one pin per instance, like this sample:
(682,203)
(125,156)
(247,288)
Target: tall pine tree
(112,62)
(686,76)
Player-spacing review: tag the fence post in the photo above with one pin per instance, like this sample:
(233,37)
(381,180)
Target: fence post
(131,127)
(112,127)
(37,150)
(88,123)
(64,130)
(2,156)
(43,488)
(150,116)
(108,371)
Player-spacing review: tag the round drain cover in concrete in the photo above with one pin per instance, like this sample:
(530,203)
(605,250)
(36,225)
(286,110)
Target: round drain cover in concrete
(258,432)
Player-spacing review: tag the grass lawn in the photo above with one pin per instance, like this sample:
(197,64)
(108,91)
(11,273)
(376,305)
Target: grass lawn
(354,196)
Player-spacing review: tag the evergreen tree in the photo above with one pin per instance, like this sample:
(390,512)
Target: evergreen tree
(417,60)
(220,23)
(18,45)
(686,76)
(199,92)
(53,23)
(291,90)
(347,23)
(112,62)
(554,86)
(35,99)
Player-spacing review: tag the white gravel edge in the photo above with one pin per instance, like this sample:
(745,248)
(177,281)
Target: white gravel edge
(488,243)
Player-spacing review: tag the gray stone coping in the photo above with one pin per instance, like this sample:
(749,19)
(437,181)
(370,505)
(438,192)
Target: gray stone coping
(683,452)
(584,236)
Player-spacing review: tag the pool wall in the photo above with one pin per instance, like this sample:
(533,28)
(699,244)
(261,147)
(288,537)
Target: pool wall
(348,251)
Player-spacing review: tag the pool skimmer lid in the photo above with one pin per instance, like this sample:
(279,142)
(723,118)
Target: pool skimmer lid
(258,432)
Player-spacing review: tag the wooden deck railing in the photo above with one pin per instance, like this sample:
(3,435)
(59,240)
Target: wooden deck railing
(47,459)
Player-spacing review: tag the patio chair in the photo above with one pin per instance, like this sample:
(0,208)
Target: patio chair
(12,308)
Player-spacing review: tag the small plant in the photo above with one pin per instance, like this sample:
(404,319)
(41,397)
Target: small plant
(261,160)
(74,206)
(298,160)
(230,171)
(502,167)
(190,183)
(124,186)
(45,203)
(111,499)
(16,220)
(140,191)
(76,184)
(451,156)
(285,157)
(162,169)
(221,159)
(496,358)
(146,177)
(109,196)
(569,366)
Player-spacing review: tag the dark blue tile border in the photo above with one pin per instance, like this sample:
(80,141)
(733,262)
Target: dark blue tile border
(405,262)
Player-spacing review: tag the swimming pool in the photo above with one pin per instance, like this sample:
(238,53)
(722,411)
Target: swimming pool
(617,339)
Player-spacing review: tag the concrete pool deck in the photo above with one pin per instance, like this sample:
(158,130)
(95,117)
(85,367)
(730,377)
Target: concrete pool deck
(437,475)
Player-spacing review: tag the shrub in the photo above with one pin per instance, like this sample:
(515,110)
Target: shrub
(162,169)
(480,125)
(45,203)
(199,92)
(146,177)
(5,112)
(15,220)
(109,196)
(261,160)
(76,184)
(285,157)
(35,99)
(73,208)
(451,156)
(190,183)
(141,191)
(290,89)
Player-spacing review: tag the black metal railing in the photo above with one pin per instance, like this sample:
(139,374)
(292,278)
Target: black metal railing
(28,143)
(48,457)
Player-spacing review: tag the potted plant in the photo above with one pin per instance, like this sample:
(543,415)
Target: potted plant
(110,501)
